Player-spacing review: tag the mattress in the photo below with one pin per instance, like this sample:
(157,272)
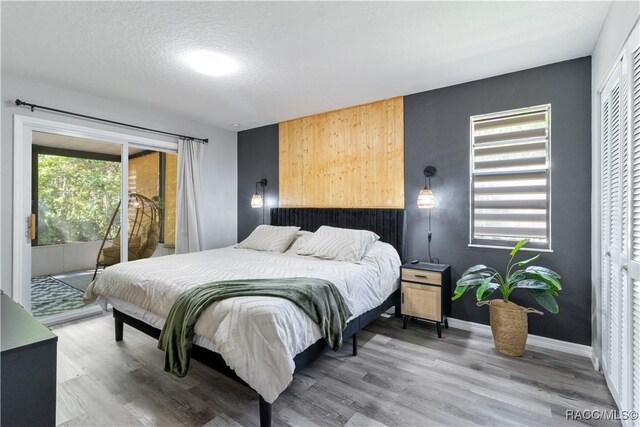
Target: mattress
(258,337)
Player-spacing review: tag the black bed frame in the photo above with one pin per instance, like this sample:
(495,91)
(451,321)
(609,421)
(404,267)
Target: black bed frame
(389,224)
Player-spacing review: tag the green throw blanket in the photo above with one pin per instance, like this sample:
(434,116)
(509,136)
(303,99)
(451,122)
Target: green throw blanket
(319,299)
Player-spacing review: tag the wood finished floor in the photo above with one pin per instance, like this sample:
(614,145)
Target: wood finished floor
(400,377)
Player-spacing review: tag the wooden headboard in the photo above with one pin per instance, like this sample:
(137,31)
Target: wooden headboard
(389,224)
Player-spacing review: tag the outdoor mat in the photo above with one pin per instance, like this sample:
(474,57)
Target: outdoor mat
(50,296)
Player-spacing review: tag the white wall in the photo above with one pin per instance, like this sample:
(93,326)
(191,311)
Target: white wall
(220,175)
(70,257)
(56,259)
(620,21)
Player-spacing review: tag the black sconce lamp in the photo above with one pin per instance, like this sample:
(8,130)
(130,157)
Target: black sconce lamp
(257,200)
(426,200)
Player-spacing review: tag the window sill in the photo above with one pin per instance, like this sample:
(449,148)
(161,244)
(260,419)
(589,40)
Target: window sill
(475,245)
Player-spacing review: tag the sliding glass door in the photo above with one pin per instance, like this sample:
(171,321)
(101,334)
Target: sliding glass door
(85,199)
(75,195)
(153,174)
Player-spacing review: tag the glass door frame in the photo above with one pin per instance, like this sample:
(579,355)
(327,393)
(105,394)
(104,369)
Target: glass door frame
(23,127)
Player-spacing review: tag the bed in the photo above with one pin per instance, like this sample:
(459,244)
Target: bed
(277,338)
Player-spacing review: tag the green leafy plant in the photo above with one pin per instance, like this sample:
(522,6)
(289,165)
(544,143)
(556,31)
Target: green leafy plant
(76,198)
(543,284)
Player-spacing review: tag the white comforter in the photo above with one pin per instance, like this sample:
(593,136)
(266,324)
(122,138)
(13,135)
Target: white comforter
(258,337)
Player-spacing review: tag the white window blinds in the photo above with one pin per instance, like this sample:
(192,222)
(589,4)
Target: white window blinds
(510,178)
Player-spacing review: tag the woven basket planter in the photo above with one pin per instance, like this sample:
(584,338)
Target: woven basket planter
(509,325)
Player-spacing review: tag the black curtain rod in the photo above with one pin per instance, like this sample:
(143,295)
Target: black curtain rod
(98,119)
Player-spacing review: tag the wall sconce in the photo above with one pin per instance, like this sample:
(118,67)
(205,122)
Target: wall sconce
(257,200)
(426,200)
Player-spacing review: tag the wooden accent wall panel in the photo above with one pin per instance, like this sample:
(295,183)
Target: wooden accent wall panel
(144,179)
(170,192)
(351,158)
(143,175)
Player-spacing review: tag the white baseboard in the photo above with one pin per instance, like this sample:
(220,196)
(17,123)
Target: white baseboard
(536,340)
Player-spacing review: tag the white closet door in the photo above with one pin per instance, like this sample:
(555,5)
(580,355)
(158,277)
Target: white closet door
(620,227)
(622,303)
(612,237)
(605,225)
(635,220)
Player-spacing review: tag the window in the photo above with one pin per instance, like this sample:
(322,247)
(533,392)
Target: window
(510,198)
(74,194)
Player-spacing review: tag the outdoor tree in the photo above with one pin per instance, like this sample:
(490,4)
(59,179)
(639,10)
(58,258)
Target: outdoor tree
(76,198)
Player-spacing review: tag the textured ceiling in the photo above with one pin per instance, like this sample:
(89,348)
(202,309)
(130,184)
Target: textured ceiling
(296,58)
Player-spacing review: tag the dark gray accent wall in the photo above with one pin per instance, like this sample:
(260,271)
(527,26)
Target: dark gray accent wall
(437,134)
(257,159)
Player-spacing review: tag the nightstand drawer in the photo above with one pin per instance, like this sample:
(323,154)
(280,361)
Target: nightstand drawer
(421,301)
(422,276)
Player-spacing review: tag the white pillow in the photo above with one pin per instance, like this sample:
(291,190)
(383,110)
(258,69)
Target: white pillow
(385,258)
(300,239)
(269,238)
(340,244)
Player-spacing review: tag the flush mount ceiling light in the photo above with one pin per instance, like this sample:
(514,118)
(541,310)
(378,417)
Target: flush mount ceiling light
(210,63)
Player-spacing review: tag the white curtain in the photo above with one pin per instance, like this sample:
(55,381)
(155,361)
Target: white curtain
(189,235)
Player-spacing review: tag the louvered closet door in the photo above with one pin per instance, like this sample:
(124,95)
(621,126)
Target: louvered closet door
(634,306)
(614,272)
(620,227)
(628,272)
(605,191)
(605,218)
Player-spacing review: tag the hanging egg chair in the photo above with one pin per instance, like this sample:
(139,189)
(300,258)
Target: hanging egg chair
(143,231)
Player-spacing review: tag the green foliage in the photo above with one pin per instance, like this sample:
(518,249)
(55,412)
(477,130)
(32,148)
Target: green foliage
(543,284)
(76,198)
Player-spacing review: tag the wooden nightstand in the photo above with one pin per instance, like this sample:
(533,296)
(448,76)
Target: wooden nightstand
(426,293)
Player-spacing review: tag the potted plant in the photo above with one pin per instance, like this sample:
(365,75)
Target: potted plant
(509,320)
